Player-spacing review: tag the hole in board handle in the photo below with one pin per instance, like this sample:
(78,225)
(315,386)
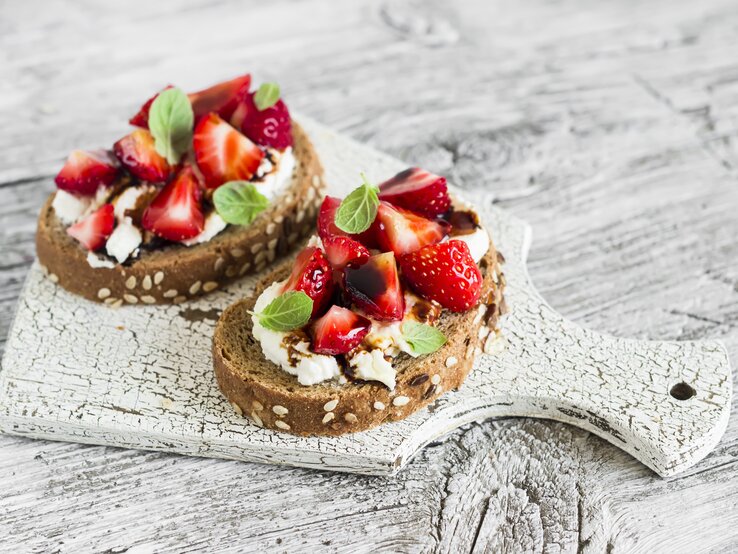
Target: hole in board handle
(682,391)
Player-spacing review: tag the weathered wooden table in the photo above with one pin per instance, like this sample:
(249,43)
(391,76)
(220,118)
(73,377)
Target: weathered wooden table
(610,127)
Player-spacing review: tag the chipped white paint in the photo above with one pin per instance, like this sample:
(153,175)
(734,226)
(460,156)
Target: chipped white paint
(550,367)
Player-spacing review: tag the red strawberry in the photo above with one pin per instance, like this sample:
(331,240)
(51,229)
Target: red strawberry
(446,273)
(402,231)
(312,274)
(138,154)
(222,153)
(175,214)
(141,119)
(84,172)
(417,190)
(327,226)
(93,231)
(375,287)
(343,251)
(339,331)
(268,127)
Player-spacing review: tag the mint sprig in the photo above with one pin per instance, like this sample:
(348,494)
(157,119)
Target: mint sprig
(288,311)
(239,202)
(422,338)
(170,121)
(359,209)
(266,96)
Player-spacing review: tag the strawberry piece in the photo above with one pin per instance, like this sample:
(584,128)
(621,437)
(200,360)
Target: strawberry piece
(269,127)
(312,274)
(327,225)
(339,331)
(402,231)
(176,214)
(446,273)
(417,190)
(343,251)
(141,119)
(375,287)
(222,153)
(139,156)
(84,172)
(93,231)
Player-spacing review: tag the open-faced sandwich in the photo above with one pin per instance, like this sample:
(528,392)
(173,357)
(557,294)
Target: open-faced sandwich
(208,187)
(379,314)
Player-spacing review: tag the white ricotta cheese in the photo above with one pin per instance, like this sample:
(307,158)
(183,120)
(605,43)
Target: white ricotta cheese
(275,179)
(214,224)
(97,262)
(70,207)
(478,242)
(372,366)
(125,239)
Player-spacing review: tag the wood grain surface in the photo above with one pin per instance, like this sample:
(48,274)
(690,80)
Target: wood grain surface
(610,127)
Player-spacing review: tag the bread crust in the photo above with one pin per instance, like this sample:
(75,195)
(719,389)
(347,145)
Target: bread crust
(272,398)
(177,273)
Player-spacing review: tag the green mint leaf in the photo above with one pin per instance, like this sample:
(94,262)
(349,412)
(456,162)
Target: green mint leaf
(359,209)
(170,122)
(266,96)
(423,339)
(288,311)
(239,202)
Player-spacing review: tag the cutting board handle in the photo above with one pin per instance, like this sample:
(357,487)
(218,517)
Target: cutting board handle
(666,403)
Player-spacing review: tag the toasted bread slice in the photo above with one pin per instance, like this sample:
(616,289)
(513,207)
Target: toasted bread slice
(175,272)
(273,398)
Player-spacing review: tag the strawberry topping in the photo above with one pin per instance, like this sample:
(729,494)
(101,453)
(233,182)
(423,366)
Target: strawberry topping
(176,214)
(222,153)
(141,119)
(93,231)
(268,127)
(139,156)
(343,251)
(84,172)
(417,190)
(312,274)
(446,273)
(327,225)
(402,231)
(339,331)
(375,287)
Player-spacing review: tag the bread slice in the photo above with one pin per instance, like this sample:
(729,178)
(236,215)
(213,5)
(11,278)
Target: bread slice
(175,272)
(274,399)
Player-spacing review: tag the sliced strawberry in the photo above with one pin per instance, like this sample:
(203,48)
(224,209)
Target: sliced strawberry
(93,231)
(402,231)
(222,98)
(327,225)
(138,154)
(176,214)
(84,172)
(343,251)
(446,273)
(312,274)
(141,119)
(375,287)
(222,153)
(417,190)
(269,127)
(339,331)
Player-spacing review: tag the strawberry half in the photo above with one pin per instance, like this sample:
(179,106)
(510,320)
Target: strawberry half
(402,231)
(93,231)
(343,251)
(139,156)
(327,224)
(175,214)
(222,153)
(375,287)
(84,172)
(312,274)
(268,127)
(446,273)
(417,190)
(339,331)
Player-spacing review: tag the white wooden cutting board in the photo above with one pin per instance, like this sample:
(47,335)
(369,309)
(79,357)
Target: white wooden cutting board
(141,377)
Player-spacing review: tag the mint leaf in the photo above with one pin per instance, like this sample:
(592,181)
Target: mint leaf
(288,311)
(359,209)
(170,122)
(239,202)
(266,96)
(422,338)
